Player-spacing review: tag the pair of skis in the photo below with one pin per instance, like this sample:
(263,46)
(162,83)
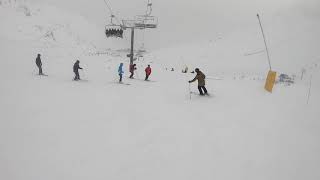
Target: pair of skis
(194,93)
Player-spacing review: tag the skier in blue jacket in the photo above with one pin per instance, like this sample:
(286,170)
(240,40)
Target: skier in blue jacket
(120,72)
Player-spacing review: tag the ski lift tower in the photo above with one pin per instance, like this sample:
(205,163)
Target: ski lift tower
(140,22)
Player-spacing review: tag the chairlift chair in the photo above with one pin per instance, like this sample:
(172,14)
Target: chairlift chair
(113,30)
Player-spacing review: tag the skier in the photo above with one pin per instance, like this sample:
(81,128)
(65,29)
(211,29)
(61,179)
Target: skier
(76,68)
(201,82)
(148,72)
(120,72)
(132,68)
(39,64)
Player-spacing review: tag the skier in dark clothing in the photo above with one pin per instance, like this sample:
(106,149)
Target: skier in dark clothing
(132,68)
(76,68)
(39,64)
(201,82)
(148,72)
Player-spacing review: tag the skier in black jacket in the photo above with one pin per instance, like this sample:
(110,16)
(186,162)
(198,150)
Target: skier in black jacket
(76,68)
(39,64)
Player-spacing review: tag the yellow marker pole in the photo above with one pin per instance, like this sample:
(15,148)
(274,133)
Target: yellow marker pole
(271,78)
(270,81)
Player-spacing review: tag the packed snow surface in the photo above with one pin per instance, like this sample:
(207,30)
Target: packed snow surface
(53,128)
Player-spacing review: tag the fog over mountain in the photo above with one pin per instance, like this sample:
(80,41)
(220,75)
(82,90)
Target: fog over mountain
(183,21)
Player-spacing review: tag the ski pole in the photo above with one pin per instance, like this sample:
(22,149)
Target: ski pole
(189,91)
(83,74)
(309,92)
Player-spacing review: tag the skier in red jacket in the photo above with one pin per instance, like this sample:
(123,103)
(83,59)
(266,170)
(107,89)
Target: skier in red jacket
(148,72)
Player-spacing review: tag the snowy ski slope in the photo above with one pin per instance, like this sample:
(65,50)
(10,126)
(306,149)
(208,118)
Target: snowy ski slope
(54,128)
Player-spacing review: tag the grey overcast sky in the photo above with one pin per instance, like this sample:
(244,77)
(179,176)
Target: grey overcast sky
(192,20)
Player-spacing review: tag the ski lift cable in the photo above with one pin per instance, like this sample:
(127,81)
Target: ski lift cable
(111,12)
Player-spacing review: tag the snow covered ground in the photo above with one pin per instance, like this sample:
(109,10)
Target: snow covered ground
(54,128)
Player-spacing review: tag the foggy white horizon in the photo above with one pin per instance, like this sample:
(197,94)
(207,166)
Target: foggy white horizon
(183,21)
